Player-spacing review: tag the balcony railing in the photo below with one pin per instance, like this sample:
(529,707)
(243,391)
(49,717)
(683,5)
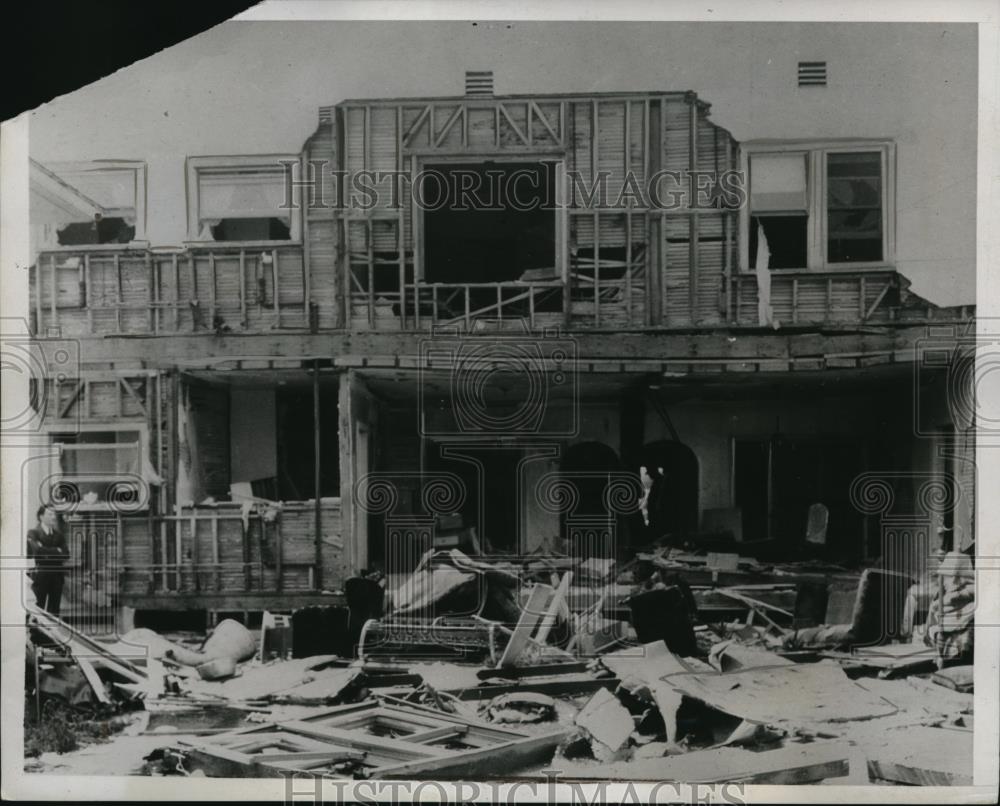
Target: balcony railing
(220,288)
(809,297)
(254,289)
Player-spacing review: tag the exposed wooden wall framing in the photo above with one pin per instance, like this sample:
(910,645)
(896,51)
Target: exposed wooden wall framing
(621,263)
(118,400)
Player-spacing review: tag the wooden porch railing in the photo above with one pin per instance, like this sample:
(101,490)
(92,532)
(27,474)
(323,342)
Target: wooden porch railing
(102,290)
(810,297)
(249,288)
(214,549)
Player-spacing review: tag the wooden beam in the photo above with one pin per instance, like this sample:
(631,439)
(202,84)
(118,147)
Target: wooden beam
(923,756)
(93,679)
(131,393)
(793,764)
(878,301)
(545,122)
(87,296)
(317,478)
(531,614)
(415,126)
(177,290)
(439,137)
(118,294)
(504,114)
(243,289)
(64,410)
(484,761)
(153,292)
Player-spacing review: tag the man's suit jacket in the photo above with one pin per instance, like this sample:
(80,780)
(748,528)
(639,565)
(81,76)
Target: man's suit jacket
(48,550)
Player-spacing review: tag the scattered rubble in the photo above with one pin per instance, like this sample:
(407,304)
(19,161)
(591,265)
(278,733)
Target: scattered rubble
(673,666)
(527,706)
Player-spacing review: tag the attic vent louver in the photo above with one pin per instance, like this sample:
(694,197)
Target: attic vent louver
(479,82)
(812,74)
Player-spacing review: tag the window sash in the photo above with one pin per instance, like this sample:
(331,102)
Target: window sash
(872,196)
(242,194)
(778,183)
(854,207)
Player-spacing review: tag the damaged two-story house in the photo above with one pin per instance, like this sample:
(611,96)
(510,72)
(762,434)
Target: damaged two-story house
(346,354)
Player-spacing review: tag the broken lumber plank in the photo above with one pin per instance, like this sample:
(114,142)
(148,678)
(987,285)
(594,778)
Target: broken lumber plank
(94,680)
(483,762)
(922,756)
(554,605)
(554,688)
(518,672)
(888,661)
(792,764)
(749,601)
(359,740)
(957,678)
(532,612)
(79,645)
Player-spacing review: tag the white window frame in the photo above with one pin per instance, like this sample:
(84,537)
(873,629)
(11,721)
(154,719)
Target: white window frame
(816,153)
(140,179)
(194,165)
(53,466)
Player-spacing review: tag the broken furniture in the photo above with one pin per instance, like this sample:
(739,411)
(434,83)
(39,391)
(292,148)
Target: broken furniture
(276,635)
(372,739)
(876,614)
(431,638)
(450,604)
(664,614)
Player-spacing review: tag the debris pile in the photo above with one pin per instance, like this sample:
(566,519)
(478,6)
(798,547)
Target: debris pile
(672,666)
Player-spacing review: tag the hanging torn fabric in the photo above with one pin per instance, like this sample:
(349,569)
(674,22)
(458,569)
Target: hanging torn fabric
(765,313)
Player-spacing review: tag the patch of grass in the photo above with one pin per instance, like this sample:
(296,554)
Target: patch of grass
(64,728)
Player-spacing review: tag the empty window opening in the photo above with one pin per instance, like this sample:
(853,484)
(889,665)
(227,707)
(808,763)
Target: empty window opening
(787,240)
(495,233)
(251,229)
(101,229)
(98,469)
(296,453)
(779,204)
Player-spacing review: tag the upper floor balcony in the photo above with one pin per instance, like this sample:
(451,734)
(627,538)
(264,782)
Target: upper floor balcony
(607,212)
(261,288)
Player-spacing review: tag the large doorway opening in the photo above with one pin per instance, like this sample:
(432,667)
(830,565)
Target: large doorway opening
(776,479)
(672,504)
(490,476)
(488,222)
(590,528)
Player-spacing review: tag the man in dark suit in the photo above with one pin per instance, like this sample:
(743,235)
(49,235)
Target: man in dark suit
(47,546)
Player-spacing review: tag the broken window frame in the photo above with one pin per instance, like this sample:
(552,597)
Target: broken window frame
(421,163)
(817,202)
(54,474)
(64,171)
(237,165)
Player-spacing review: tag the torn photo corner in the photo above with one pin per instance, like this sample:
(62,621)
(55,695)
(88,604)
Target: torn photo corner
(402,401)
